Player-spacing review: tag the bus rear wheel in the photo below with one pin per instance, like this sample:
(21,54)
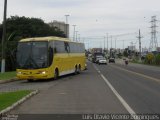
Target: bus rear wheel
(79,69)
(56,74)
(76,70)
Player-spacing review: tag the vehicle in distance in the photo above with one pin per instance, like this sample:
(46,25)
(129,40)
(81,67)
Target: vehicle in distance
(111,60)
(98,57)
(96,52)
(49,57)
(102,61)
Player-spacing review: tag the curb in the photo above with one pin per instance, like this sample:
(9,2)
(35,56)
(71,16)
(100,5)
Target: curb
(18,102)
(7,81)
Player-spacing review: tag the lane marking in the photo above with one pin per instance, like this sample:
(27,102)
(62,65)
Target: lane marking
(123,102)
(142,75)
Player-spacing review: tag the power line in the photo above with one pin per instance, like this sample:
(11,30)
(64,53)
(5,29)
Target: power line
(139,38)
(118,35)
(153,43)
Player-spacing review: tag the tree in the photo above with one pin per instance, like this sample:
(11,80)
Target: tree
(24,27)
(157,59)
(125,53)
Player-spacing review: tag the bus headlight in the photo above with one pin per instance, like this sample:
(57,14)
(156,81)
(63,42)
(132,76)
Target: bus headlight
(19,72)
(43,72)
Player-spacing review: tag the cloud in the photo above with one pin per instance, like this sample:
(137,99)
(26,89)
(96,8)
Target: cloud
(92,17)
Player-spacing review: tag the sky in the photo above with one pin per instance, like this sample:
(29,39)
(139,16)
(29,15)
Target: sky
(94,18)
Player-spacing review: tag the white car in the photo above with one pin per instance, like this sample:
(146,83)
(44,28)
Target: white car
(98,58)
(102,61)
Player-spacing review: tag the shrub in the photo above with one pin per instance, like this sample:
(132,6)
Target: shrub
(157,59)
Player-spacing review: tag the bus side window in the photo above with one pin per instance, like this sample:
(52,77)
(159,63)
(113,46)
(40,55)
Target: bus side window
(67,47)
(50,55)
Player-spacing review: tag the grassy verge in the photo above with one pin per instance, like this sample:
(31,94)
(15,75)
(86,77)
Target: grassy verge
(9,98)
(7,75)
(137,62)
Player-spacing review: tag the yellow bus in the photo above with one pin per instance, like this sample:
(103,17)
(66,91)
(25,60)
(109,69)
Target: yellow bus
(49,57)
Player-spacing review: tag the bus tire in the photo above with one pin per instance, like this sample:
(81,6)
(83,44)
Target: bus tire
(56,74)
(30,80)
(76,70)
(79,69)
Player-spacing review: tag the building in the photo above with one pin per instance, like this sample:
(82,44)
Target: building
(132,48)
(144,50)
(61,26)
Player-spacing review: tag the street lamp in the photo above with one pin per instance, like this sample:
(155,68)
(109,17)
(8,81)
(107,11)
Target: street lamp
(107,42)
(4,37)
(74,27)
(67,34)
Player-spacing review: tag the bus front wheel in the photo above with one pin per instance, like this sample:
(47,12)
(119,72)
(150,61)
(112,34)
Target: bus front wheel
(30,80)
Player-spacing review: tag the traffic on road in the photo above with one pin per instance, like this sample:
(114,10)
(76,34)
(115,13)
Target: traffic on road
(88,92)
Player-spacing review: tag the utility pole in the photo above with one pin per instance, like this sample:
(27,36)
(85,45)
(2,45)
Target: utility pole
(107,42)
(67,26)
(104,43)
(74,27)
(123,44)
(139,38)
(115,43)
(111,41)
(4,37)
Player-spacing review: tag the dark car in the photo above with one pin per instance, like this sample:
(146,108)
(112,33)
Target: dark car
(111,60)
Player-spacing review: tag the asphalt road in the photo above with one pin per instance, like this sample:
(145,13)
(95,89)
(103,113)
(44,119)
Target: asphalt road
(72,94)
(89,93)
(152,71)
(140,92)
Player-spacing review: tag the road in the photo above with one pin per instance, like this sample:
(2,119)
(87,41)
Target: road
(140,92)
(89,92)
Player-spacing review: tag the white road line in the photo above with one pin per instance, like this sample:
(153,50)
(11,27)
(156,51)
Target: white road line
(128,108)
(124,103)
(136,73)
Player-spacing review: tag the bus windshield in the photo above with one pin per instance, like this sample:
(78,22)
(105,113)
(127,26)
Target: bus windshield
(32,55)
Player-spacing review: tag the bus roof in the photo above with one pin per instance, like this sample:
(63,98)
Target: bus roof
(52,38)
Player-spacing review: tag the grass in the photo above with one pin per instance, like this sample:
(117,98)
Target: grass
(9,98)
(7,75)
(137,62)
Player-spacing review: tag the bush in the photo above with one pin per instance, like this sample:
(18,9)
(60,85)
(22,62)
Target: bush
(157,59)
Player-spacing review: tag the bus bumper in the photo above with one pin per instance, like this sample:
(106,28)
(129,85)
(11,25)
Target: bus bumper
(33,74)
